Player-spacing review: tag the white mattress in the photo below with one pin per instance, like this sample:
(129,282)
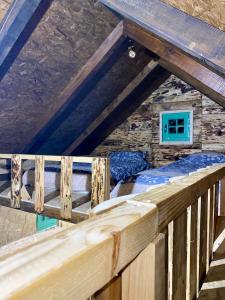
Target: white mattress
(80,181)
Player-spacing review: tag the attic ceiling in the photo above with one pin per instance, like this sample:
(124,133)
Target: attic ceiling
(4,6)
(48,106)
(210,11)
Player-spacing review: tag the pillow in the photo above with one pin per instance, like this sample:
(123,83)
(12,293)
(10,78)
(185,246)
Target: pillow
(123,164)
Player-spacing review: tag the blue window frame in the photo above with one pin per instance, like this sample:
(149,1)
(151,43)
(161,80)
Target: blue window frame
(176,127)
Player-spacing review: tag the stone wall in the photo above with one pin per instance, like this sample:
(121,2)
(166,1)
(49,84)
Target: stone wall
(141,130)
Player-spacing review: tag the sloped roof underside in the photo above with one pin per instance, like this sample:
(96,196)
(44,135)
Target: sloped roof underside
(210,11)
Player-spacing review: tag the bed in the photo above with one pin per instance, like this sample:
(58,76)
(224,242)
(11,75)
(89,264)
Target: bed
(122,165)
(151,178)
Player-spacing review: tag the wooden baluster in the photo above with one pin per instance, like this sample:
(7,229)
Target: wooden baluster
(100,181)
(16,180)
(66,187)
(39,183)
(210,224)
(178,254)
(112,291)
(202,238)
(192,223)
(222,198)
(145,277)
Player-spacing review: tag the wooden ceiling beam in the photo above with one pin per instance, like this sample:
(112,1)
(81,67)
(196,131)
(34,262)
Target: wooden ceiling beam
(112,106)
(194,37)
(180,64)
(120,109)
(16,27)
(79,87)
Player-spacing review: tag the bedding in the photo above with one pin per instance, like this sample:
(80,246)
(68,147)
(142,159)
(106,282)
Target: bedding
(122,165)
(148,179)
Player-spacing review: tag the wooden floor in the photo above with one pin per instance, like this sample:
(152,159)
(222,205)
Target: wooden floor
(213,287)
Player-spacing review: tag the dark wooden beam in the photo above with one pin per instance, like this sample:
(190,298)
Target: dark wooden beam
(180,64)
(194,37)
(121,109)
(16,27)
(79,87)
(112,106)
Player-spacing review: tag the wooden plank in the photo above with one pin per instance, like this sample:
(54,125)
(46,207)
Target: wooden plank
(39,184)
(78,261)
(210,224)
(16,27)
(192,223)
(16,180)
(15,224)
(66,187)
(183,66)
(78,82)
(113,105)
(179,264)
(112,291)
(203,238)
(145,277)
(100,187)
(222,197)
(188,34)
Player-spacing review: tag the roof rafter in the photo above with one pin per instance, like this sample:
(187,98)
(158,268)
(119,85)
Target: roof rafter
(181,30)
(118,111)
(112,106)
(16,27)
(183,66)
(80,85)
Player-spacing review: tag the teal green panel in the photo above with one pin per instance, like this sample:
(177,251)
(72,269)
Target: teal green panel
(43,223)
(176,127)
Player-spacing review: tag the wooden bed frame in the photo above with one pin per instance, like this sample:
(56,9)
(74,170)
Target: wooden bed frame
(129,249)
(65,207)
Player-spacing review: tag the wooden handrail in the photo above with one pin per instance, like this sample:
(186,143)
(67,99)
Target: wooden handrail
(79,261)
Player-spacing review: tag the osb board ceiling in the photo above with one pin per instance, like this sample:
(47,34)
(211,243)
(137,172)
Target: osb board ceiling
(4,5)
(210,11)
(69,34)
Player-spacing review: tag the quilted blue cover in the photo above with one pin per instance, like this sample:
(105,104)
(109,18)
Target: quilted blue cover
(122,165)
(181,167)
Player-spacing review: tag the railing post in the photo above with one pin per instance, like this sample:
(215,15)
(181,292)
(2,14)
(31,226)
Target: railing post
(100,181)
(39,184)
(66,187)
(16,180)
(145,277)
(222,198)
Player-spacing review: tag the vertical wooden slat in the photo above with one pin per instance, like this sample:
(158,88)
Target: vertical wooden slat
(100,181)
(112,291)
(222,198)
(210,224)
(16,180)
(179,264)
(39,183)
(145,277)
(192,223)
(66,187)
(203,238)
(170,261)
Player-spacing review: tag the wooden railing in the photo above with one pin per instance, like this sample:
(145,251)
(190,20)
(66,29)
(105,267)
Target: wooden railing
(130,248)
(100,186)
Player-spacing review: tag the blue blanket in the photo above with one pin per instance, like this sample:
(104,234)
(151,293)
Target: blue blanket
(140,182)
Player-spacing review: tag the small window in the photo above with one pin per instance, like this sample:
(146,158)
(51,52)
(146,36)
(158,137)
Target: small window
(176,127)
